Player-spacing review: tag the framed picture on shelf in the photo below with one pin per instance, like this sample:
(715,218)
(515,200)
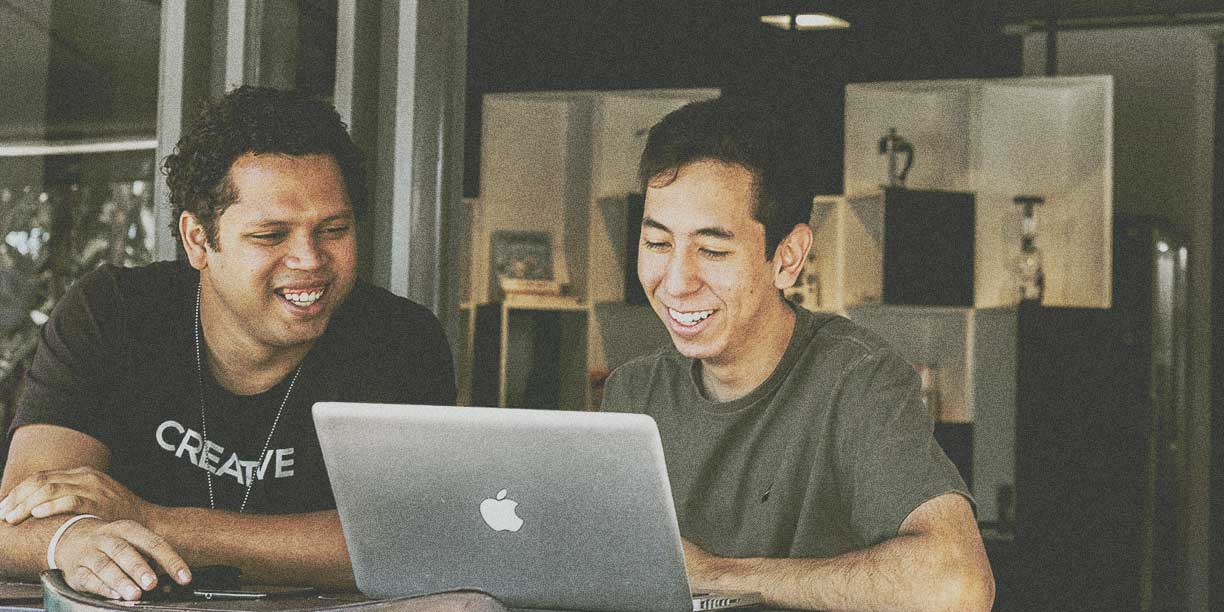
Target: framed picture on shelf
(523,263)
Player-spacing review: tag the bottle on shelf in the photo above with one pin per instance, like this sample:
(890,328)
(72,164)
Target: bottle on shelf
(1029,272)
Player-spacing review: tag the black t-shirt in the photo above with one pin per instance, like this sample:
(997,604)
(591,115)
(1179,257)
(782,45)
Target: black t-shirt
(117,362)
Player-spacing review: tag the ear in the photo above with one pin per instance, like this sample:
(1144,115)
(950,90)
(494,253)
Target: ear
(195,240)
(790,256)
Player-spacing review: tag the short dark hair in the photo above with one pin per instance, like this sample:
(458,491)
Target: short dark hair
(743,133)
(255,120)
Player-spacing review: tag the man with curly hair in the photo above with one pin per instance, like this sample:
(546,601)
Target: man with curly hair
(166,419)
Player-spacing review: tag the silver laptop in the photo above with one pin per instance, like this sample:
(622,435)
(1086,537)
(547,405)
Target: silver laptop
(542,509)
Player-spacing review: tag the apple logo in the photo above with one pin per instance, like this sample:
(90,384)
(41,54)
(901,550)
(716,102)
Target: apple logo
(499,514)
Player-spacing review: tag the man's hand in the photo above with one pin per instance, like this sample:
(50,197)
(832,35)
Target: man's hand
(113,559)
(935,562)
(83,490)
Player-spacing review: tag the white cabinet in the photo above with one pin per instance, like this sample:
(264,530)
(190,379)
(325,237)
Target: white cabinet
(561,163)
(997,139)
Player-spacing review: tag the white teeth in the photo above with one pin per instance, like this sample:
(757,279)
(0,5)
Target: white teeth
(304,298)
(689,318)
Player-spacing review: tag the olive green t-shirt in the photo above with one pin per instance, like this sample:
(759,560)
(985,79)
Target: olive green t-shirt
(828,455)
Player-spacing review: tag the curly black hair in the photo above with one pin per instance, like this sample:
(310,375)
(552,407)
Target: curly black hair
(746,133)
(254,120)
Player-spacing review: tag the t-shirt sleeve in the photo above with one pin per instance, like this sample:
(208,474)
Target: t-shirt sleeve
(613,393)
(888,457)
(404,351)
(437,378)
(619,389)
(74,364)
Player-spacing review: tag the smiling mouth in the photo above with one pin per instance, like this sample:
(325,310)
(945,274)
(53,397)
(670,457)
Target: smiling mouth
(302,298)
(689,318)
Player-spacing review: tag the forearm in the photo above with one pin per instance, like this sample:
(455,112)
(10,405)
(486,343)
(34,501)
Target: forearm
(24,552)
(270,549)
(904,573)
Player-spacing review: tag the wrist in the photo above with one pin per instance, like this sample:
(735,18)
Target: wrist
(152,516)
(708,568)
(719,568)
(58,537)
(733,573)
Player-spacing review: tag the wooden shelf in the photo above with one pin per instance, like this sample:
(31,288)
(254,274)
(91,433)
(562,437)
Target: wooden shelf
(526,301)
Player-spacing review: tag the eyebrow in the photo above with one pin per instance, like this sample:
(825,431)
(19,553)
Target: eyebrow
(343,216)
(712,232)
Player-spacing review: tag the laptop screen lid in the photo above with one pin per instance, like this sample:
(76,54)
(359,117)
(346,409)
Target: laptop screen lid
(540,508)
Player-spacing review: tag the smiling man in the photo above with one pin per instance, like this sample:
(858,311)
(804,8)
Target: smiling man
(800,456)
(166,419)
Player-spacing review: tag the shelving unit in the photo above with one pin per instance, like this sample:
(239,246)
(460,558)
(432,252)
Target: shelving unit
(897,246)
(993,139)
(564,163)
(996,139)
(522,348)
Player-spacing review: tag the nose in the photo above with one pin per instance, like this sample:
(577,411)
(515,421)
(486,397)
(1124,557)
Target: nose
(681,276)
(305,253)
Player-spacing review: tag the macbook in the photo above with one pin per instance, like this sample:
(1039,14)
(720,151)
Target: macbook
(545,509)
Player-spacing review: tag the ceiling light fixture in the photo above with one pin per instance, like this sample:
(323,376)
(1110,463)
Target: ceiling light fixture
(805,21)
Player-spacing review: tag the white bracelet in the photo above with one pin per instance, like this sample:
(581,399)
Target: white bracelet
(59,533)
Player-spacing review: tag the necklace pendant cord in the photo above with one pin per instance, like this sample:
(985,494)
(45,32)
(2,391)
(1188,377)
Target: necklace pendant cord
(212,503)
